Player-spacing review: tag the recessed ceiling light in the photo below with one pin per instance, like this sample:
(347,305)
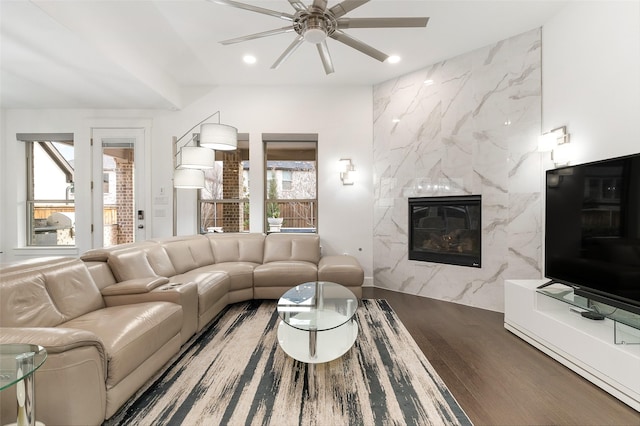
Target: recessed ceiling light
(249,59)
(393,59)
(428,82)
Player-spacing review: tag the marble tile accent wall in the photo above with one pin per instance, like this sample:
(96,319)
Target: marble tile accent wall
(472,130)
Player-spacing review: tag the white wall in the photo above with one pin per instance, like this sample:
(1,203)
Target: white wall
(3,171)
(341,117)
(591,77)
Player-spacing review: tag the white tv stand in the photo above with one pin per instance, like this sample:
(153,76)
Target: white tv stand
(605,352)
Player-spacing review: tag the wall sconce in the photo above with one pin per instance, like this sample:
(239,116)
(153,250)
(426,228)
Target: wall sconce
(549,140)
(556,141)
(346,171)
(189,161)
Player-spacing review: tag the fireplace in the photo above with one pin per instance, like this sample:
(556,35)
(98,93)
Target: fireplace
(446,230)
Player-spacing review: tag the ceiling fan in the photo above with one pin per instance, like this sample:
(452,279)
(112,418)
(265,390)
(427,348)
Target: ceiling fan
(316,22)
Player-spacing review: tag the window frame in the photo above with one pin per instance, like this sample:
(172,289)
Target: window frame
(243,144)
(283,139)
(30,198)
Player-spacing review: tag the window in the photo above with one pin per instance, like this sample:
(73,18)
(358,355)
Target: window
(224,201)
(105,183)
(287,180)
(50,192)
(291,182)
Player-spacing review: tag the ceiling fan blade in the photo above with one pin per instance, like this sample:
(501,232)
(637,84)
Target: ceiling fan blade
(341,9)
(288,52)
(319,5)
(358,45)
(257,9)
(298,5)
(345,23)
(323,50)
(257,35)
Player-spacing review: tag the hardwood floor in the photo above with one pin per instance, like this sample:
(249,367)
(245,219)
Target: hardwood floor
(497,378)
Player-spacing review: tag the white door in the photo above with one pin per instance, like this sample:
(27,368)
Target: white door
(119,214)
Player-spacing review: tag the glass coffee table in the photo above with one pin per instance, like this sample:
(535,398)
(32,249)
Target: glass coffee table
(18,364)
(317,321)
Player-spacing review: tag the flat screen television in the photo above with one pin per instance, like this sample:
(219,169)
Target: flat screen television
(592,230)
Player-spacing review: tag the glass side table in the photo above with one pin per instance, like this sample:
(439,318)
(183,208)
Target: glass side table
(18,364)
(317,321)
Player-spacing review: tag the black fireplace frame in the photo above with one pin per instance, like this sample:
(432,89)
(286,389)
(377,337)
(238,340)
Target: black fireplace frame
(460,259)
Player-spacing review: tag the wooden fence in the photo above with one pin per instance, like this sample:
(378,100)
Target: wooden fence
(295,213)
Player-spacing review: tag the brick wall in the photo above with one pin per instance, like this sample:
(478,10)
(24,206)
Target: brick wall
(231,183)
(125,200)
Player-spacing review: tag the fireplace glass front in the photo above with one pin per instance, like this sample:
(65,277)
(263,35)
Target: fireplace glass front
(446,230)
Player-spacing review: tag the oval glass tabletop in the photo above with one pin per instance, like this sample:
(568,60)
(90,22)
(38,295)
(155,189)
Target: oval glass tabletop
(18,361)
(319,305)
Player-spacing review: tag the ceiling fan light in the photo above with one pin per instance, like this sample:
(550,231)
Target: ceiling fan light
(315,35)
(218,136)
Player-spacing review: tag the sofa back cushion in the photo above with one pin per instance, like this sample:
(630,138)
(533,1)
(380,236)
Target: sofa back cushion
(47,295)
(101,274)
(237,247)
(130,264)
(72,289)
(102,254)
(302,247)
(201,251)
(25,302)
(160,262)
(190,253)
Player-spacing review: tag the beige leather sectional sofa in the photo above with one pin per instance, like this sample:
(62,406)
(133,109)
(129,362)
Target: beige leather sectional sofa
(111,319)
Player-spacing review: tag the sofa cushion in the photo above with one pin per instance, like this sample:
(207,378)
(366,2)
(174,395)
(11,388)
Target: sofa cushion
(102,254)
(72,289)
(240,273)
(237,247)
(343,270)
(201,250)
(212,286)
(25,302)
(131,333)
(160,262)
(101,273)
(130,264)
(301,247)
(284,273)
(180,256)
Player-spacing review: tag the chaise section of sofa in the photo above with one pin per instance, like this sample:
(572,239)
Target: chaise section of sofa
(98,355)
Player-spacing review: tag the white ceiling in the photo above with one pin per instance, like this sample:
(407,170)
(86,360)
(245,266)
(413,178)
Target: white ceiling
(164,54)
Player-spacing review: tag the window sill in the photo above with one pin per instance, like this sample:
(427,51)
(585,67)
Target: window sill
(45,251)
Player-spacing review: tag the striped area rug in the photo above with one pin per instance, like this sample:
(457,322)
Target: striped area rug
(235,373)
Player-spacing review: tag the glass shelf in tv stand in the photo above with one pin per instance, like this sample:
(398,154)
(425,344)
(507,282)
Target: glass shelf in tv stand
(626,325)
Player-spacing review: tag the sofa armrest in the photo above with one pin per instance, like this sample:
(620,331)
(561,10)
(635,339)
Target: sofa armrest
(55,340)
(71,384)
(135,286)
